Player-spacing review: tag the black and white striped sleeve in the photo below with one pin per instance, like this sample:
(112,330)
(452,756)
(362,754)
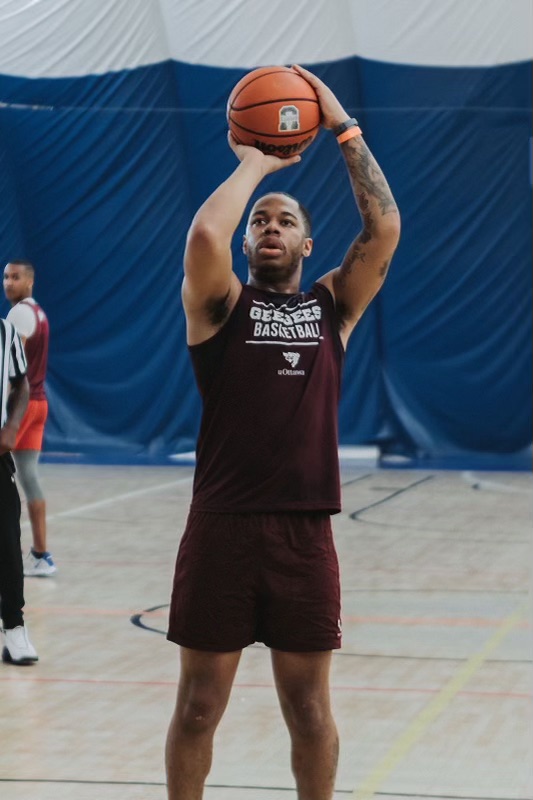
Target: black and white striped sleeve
(17,365)
(12,364)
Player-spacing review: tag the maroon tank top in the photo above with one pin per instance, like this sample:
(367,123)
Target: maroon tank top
(36,349)
(270,385)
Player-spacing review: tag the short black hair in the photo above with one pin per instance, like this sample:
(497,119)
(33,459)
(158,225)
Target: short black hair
(22,262)
(304,211)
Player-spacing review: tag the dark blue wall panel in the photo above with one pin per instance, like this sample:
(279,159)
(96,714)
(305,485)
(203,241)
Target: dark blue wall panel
(101,176)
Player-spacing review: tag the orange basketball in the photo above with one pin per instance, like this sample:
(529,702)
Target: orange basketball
(275,110)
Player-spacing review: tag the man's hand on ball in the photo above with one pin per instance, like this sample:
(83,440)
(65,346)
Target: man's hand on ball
(269,163)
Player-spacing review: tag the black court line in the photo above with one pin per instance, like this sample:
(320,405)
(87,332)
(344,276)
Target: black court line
(411,796)
(356,480)
(136,619)
(441,536)
(78,782)
(394,493)
(355,514)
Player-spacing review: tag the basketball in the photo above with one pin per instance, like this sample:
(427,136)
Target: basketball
(275,110)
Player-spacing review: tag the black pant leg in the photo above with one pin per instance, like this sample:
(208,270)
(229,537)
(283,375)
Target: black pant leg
(11,567)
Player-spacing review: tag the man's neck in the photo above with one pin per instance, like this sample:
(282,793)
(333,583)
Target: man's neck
(20,299)
(284,287)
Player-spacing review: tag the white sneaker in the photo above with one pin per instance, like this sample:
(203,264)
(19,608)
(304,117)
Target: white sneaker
(17,647)
(39,567)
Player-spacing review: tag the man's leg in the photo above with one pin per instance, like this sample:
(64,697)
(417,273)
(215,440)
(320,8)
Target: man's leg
(302,683)
(203,692)
(26,462)
(11,574)
(39,561)
(37,515)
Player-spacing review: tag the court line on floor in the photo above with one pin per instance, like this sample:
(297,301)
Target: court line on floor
(440,534)
(239,787)
(18,678)
(162,612)
(441,622)
(108,501)
(394,493)
(404,743)
(137,619)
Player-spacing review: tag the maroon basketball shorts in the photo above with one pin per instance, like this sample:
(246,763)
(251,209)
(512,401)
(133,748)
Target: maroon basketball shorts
(244,578)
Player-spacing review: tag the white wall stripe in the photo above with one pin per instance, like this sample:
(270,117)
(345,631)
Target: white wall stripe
(68,38)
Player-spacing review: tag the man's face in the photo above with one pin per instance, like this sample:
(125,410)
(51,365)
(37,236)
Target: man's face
(275,240)
(18,282)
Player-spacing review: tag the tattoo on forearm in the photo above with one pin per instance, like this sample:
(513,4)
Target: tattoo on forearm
(368,178)
(368,222)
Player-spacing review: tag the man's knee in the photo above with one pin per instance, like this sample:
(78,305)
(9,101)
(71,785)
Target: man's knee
(196,716)
(307,716)
(26,462)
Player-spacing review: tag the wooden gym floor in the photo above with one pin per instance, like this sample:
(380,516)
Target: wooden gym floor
(431,691)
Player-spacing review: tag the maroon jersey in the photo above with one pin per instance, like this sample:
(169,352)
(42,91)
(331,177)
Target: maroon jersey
(36,349)
(270,385)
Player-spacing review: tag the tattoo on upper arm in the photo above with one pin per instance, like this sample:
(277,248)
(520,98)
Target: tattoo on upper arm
(355,253)
(364,168)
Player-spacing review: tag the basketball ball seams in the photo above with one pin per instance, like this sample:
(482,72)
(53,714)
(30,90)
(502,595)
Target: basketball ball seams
(290,100)
(299,80)
(273,71)
(282,135)
(283,94)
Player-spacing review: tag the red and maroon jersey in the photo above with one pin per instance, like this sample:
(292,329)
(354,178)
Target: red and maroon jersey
(36,349)
(270,384)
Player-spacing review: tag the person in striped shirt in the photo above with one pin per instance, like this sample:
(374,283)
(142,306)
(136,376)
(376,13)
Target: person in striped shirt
(14,394)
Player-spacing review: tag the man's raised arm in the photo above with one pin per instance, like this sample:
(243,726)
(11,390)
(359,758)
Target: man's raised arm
(210,287)
(367,260)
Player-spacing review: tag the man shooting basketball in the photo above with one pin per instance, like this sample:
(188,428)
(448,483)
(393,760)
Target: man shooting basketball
(257,560)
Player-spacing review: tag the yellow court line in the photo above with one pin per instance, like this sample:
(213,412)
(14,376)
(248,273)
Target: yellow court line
(414,731)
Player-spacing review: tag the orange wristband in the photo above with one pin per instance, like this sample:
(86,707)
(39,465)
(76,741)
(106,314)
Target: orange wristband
(351,133)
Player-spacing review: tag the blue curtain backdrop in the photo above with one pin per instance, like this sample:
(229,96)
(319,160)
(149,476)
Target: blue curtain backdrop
(100,176)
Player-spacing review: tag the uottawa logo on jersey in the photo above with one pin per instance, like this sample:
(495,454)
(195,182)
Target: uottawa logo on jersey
(293,359)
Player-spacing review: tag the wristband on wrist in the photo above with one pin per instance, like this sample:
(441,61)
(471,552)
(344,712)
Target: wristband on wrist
(344,126)
(351,133)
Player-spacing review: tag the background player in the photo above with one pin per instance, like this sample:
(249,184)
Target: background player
(32,325)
